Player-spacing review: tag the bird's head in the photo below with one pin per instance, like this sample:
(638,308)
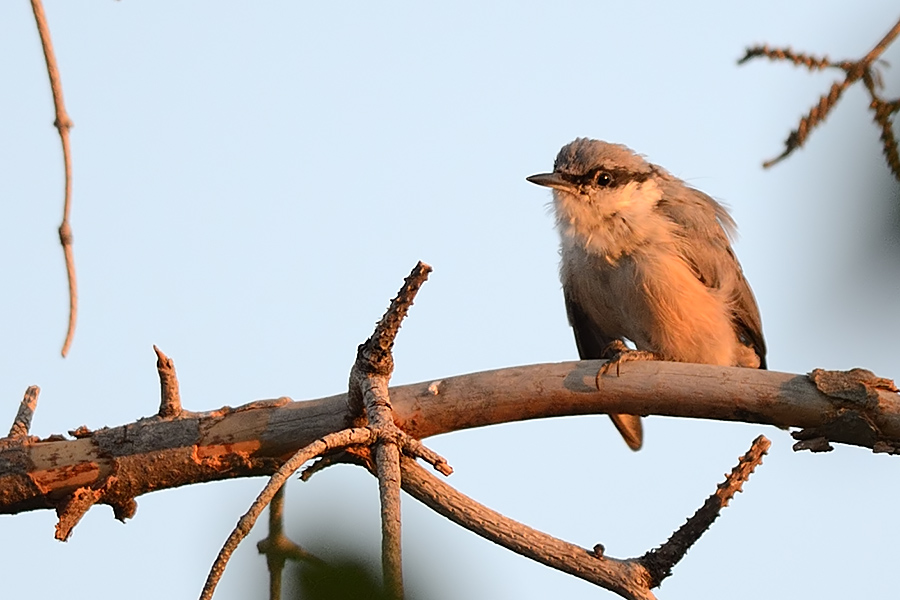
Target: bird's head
(603,193)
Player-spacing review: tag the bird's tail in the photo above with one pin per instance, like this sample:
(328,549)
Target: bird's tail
(631,429)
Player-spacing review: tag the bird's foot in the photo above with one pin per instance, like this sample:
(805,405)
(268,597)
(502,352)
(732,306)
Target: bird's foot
(617,353)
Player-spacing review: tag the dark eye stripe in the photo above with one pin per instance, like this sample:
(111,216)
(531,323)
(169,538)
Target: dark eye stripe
(617,177)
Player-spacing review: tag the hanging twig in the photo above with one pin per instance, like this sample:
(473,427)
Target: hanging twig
(63,124)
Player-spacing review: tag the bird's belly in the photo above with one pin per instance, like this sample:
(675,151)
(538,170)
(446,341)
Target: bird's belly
(656,302)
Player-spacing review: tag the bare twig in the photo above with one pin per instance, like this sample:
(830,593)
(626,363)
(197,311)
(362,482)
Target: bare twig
(278,548)
(378,347)
(170,401)
(628,578)
(369,379)
(813,63)
(63,123)
(368,389)
(268,546)
(659,562)
(416,449)
(883,44)
(884,111)
(387,462)
(337,458)
(859,70)
(22,423)
(409,445)
(816,115)
(332,441)
(631,578)
(376,351)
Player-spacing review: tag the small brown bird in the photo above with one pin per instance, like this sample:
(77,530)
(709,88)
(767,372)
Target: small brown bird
(647,258)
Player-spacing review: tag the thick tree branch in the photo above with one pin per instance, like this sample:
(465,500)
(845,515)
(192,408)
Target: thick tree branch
(255,439)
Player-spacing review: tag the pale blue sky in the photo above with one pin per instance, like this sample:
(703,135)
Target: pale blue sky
(253,181)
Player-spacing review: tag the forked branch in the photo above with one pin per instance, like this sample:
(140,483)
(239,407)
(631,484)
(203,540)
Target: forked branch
(368,390)
(369,380)
(854,71)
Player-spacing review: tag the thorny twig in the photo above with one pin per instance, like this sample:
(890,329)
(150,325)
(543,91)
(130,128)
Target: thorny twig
(860,70)
(659,562)
(368,386)
(632,578)
(63,123)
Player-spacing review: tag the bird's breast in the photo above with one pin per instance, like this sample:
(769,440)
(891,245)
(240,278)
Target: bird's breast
(651,297)
(613,223)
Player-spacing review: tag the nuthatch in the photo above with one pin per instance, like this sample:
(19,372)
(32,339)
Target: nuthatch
(647,258)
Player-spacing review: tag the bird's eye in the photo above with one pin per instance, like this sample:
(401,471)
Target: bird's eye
(604,179)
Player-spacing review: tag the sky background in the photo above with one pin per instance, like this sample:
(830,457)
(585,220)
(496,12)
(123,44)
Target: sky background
(253,181)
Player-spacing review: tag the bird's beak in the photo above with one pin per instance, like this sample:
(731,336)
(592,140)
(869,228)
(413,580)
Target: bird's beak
(552,180)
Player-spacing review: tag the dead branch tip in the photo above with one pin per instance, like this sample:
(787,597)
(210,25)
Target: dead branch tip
(375,352)
(416,449)
(659,562)
(22,423)
(170,397)
(813,63)
(72,508)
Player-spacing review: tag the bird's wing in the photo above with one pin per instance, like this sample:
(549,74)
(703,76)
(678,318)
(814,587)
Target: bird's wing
(705,246)
(591,341)
(746,314)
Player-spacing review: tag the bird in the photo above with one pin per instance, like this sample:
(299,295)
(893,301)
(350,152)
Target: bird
(648,259)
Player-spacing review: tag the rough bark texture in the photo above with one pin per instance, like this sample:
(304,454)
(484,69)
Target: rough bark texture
(255,439)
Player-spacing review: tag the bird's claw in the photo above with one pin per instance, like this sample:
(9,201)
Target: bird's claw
(617,353)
